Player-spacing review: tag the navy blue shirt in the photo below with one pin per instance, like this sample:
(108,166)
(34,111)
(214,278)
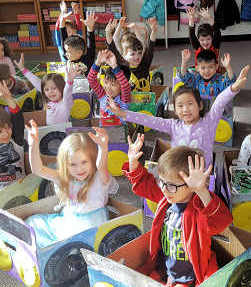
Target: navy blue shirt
(179,269)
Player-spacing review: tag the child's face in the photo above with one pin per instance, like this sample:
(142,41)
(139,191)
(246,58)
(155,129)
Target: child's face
(112,88)
(5,134)
(1,50)
(187,109)
(182,194)
(133,57)
(52,92)
(73,54)
(207,69)
(205,42)
(80,166)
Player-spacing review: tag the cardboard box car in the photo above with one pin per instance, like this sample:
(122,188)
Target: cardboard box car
(104,272)
(60,264)
(240,202)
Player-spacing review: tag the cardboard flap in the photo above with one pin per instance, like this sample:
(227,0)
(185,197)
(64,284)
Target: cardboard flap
(45,205)
(134,253)
(234,242)
(103,270)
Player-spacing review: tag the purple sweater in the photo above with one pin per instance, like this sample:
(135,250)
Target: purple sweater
(56,112)
(200,135)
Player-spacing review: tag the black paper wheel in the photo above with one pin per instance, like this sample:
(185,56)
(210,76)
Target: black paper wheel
(118,237)
(50,143)
(67,267)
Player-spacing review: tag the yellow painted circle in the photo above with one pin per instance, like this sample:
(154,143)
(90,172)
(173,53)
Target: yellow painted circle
(151,205)
(146,129)
(177,86)
(103,284)
(242,216)
(5,258)
(26,269)
(223,132)
(116,159)
(80,109)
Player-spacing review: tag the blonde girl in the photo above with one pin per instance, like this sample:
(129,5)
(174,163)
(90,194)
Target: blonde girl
(81,182)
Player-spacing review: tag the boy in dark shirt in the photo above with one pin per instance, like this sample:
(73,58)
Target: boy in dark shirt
(74,46)
(11,140)
(134,60)
(208,36)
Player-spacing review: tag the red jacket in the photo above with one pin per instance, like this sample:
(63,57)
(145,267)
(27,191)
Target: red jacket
(199,223)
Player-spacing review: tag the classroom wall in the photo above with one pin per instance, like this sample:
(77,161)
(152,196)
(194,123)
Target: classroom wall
(133,9)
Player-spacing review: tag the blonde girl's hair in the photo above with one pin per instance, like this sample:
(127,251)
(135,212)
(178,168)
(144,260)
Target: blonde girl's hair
(58,81)
(70,145)
(176,159)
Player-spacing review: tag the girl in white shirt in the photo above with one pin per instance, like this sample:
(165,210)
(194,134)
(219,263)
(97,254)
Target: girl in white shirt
(81,183)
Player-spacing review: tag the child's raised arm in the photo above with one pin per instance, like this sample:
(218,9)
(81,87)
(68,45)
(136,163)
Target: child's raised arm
(205,15)
(101,139)
(125,88)
(226,63)
(154,28)
(36,82)
(37,166)
(110,29)
(17,118)
(92,76)
(134,152)
(185,56)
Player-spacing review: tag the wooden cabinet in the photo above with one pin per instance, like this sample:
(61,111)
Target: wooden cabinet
(19,23)
(29,24)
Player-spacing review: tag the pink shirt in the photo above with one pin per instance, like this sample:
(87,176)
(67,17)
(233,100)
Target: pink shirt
(56,112)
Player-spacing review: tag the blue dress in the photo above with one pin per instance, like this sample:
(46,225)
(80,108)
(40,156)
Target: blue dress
(75,216)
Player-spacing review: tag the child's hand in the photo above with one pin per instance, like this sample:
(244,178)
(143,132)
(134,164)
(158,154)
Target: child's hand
(90,21)
(197,178)
(191,15)
(100,138)
(185,55)
(32,133)
(241,80)
(6,95)
(101,58)
(123,23)
(204,13)
(225,61)
(115,109)
(153,24)
(75,8)
(20,64)
(111,59)
(63,11)
(111,26)
(134,152)
(72,71)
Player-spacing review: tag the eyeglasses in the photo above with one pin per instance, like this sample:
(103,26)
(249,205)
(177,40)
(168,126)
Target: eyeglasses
(172,188)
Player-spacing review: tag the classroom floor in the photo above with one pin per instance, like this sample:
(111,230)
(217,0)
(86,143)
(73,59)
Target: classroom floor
(240,52)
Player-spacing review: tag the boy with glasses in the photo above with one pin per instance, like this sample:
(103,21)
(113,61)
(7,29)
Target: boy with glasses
(187,215)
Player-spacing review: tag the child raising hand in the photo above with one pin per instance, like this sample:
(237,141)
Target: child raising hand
(187,216)
(192,128)
(115,86)
(81,182)
(56,93)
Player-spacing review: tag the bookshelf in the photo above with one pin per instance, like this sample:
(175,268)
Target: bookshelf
(29,24)
(49,10)
(19,23)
